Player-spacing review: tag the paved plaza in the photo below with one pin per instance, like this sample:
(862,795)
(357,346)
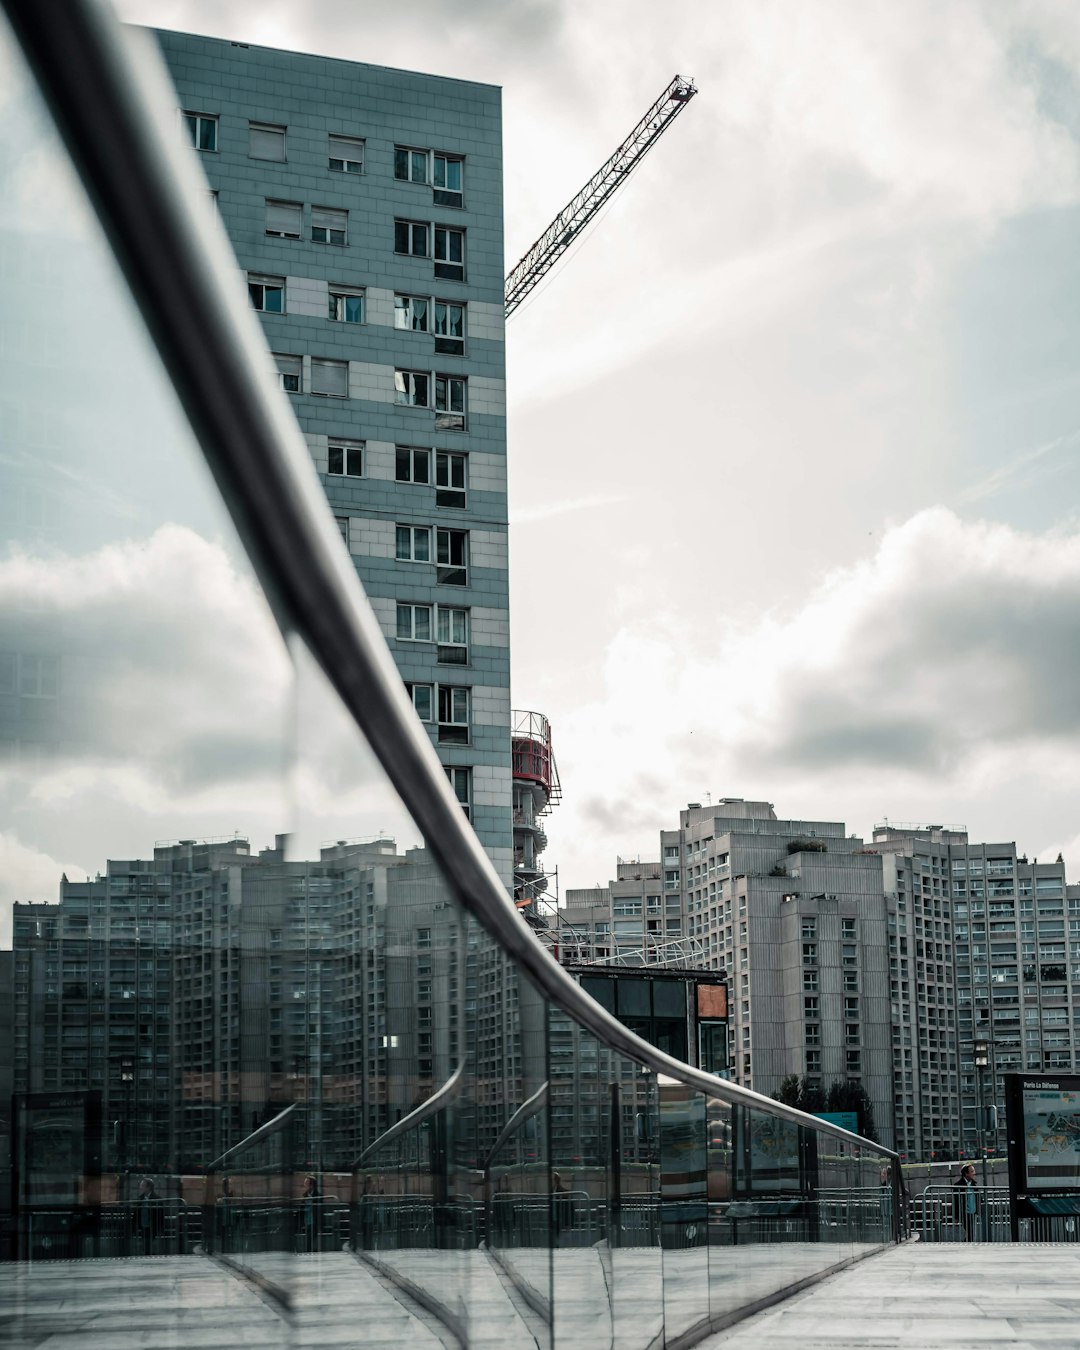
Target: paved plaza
(925,1295)
(916,1297)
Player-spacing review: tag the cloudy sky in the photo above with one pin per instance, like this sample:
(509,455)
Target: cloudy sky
(795,432)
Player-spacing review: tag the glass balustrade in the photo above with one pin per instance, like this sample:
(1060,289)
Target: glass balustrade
(288,1067)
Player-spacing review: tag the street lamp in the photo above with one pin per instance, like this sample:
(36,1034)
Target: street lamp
(981,1049)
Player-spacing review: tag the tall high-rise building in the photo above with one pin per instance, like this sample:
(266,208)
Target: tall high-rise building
(364,206)
(883,963)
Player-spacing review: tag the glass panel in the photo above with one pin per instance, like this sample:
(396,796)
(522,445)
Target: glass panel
(255,1019)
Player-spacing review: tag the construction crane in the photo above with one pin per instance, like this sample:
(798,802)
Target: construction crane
(577,213)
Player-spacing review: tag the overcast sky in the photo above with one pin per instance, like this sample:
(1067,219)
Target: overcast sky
(795,433)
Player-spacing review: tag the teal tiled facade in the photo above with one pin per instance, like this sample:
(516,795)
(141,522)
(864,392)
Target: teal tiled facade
(414,239)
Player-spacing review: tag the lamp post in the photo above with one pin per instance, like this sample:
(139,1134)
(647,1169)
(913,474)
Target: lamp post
(981,1050)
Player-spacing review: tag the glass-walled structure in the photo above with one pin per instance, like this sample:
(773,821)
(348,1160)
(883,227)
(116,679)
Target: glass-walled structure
(285,1061)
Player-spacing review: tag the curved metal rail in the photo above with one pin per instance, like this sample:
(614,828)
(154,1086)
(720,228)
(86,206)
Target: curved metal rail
(113,114)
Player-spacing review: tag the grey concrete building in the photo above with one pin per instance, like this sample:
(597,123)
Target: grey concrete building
(793,911)
(367,223)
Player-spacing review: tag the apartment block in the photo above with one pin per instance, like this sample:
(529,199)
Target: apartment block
(364,206)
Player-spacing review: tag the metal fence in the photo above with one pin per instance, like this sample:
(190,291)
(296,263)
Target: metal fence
(939,1214)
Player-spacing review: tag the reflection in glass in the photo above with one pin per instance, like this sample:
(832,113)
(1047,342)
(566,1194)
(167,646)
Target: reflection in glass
(268,1067)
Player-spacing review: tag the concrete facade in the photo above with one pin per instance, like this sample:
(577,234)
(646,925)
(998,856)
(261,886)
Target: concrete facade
(364,206)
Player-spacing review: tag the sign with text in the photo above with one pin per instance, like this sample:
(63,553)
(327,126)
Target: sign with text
(1043,1113)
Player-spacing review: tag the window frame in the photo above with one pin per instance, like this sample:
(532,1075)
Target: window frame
(350,142)
(404,377)
(450,494)
(443,195)
(446,345)
(447,572)
(422,696)
(454,714)
(414,154)
(415,532)
(401,222)
(413,452)
(348,448)
(411,300)
(268,129)
(264,283)
(412,608)
(340,215)
(285,375)
(338,292)
(446,269)
(447,418)
(211,119)
(460,777)
(321,363)
(446,650)
(281,202)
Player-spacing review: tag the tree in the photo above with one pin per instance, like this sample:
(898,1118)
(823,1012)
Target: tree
(853,1097)
(800,1093)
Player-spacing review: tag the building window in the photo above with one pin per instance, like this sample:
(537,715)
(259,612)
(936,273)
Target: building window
(266,141)
(449,328)
(346,459)
(810,1007)
(413,543)
(284,220)
(346,306)
(850,954)
(410,166)
(39,676)
(346,154)
(202,129)
(809,928)
(267,293)
(809,953)
(290,369)
(342,522)
(813,1033)
(450,403)
(422,701)
(847,928)
(453,715)
(452,557)
(412,388)
(854,1061)
(328,225)
(813,1061)
(411,237)
(414,623)
(449,253)
(450,479)
(809,981)
(411,313)
(447,174)
(413,465)
(452,635)
(461,782)
(330,379)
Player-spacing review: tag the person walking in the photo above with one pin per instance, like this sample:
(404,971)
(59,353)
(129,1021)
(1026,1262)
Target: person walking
(966,1204)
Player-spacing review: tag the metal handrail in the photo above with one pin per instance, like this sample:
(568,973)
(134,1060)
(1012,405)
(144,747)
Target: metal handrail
(267,1128)
(434,1104)
(111,111)
(528,1107)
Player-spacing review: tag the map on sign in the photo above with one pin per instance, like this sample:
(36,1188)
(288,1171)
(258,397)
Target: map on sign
(1052,1137)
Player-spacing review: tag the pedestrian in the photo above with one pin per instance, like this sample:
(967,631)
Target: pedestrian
(148,1216)
(965,1203)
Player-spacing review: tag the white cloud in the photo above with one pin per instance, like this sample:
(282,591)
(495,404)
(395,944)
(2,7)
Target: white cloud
(26,873)
(942,666)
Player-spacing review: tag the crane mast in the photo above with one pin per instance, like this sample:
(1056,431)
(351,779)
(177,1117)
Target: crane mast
(576,214)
